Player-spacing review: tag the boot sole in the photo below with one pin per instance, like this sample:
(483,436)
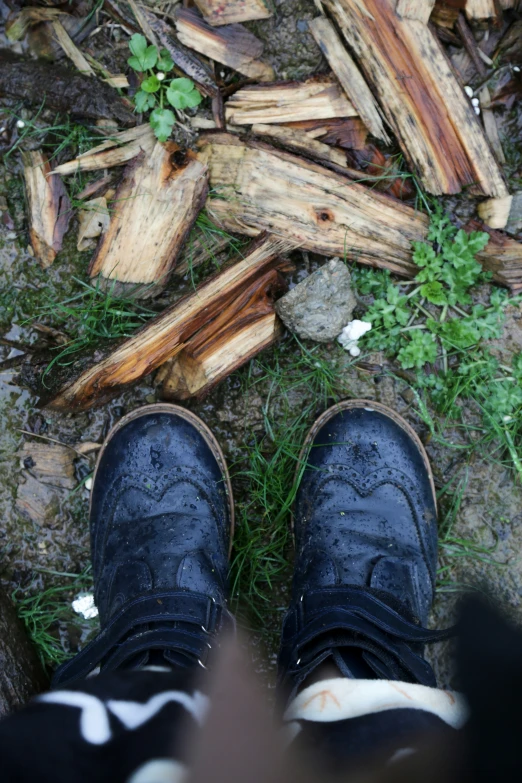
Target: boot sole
(367,405)
(204,431)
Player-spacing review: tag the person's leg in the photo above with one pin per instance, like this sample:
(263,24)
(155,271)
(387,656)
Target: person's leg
(161,527)
(351,666)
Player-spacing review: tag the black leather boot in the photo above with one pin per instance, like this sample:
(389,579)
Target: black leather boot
(365,528)
(161,529)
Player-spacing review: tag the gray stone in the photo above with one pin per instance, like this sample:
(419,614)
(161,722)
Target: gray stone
(321,306)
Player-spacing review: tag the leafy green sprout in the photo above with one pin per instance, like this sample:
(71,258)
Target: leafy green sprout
(156,91)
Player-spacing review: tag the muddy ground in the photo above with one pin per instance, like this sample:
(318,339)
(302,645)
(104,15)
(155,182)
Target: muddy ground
(34,557)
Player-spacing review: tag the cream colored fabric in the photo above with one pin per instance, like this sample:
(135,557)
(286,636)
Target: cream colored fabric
(341,698)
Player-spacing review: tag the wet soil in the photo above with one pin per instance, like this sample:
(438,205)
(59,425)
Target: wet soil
(34,557)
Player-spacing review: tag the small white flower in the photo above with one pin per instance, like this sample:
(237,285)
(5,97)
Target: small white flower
(475,102)
(20,124)
(469,91)
(477,109)
(351,333)
(88,484)
(160,76)
(507,418)
(84,605)
(516,69)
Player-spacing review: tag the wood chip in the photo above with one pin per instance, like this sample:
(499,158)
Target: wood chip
(232,45)
(435,124)
(219,12)
(298,141)
(154,208)
(70,48)
(49,463)
(49,207)
(119,149)
(349,76)
(317,98)
(415,9)
(256,187)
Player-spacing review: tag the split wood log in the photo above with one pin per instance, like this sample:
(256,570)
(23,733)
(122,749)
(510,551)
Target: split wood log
(482,9)
(65,90)
(315,99)
(49,207)
(256,188)
(240,332)
(349,133)
(502,256)
(164,337)
(119,149)
(429,112)
(349,76)
(415,9)
(154,208)
(298,141)
(232,45)
(21,673)
(514,223)
(195,376)
(219,12)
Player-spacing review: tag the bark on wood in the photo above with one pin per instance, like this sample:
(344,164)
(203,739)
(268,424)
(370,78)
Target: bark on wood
(315,99)
(119,149)
(49,207)
(349,133)
(244,329)
(155,207)
(415,9)
(21,673)
(64,90)
(232,45)
(164,337)
(256,187)
(349,76)
(186,60)
(219,12)
(435,124)
(298,141)
(495,212)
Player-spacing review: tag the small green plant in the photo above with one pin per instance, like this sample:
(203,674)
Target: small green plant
(156,91)
(423,326)
(46,613)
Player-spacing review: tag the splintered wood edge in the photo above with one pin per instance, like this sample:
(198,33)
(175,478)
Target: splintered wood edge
(163,337)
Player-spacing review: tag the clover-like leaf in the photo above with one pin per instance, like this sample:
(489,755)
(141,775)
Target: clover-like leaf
(162,122)
(182,94)
(164,61)
(145,57)
(152,84)
(141,101)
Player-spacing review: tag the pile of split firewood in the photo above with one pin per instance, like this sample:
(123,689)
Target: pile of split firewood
(288,164)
